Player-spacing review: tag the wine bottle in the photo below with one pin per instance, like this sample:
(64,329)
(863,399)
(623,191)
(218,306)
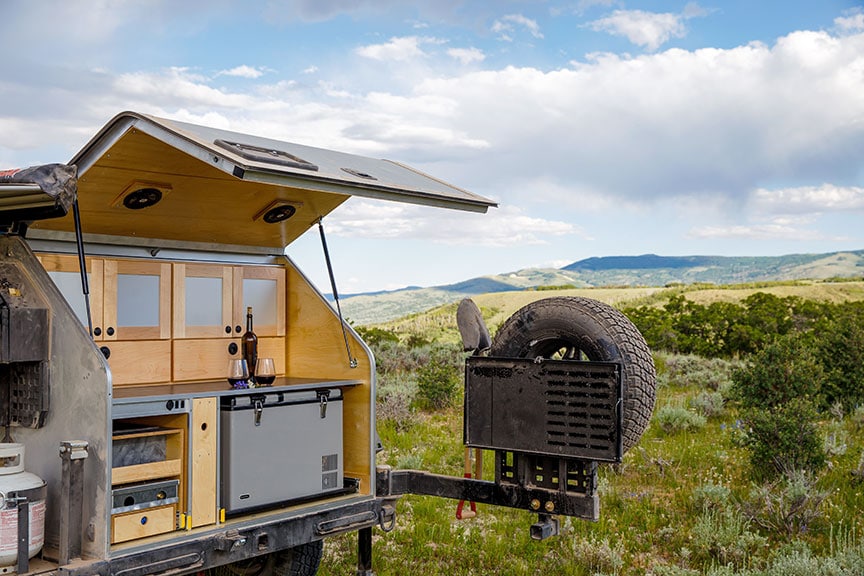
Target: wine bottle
(250,345)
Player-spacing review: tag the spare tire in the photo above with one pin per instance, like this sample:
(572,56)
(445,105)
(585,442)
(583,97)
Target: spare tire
(573,328)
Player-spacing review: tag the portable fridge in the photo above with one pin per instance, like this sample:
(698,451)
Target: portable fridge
(280,446)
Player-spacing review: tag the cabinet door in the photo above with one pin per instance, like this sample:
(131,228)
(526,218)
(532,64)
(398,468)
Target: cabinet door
(137,301)
(203,301)
(203,500)
(204,359)
(66,274)
(262,288)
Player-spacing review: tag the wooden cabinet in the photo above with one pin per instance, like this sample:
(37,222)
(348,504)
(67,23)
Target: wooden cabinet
(130,309)
(171,443)
(262,288)
(136,298)
(164,321)
(145,453)
(210,300)
(203,301)
(65,272)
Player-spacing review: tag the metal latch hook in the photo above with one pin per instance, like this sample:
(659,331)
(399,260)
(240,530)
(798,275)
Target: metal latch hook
(259,409)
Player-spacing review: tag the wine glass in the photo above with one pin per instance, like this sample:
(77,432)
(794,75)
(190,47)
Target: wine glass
(265,372)
(238,373)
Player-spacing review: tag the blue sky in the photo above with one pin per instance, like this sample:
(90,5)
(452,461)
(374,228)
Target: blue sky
(601,127)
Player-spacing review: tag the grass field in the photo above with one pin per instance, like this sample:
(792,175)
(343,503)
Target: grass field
(682,503)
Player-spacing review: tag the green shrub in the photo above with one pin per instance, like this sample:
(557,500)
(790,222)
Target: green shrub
(725,537)
(376,336)
(394,404)
(784,438)
(711,497)
(857,417)
(708,404)
(677,419)
(789,505)
(673,571)
(599,556)
(779,391)
(784,370)
(438,380)
(840,345)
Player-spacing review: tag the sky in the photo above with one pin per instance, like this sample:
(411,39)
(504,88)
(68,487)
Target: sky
(600,127)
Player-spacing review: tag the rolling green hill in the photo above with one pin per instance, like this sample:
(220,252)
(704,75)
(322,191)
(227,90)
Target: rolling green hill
(648,270)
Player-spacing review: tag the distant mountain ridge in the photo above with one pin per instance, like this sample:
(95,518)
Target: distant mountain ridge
(645,261)
(642,270)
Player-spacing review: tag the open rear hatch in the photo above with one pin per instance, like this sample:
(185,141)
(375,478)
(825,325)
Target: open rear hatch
(151,178)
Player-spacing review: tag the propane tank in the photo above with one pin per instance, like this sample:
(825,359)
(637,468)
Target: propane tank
(16,486)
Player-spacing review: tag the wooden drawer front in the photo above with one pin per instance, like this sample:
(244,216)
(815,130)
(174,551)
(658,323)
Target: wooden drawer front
(140,362)
(203,359)
(142,523)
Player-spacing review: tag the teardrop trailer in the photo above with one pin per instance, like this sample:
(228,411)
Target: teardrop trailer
(115,396)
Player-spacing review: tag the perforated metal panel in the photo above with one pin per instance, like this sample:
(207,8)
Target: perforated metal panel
(24,397)
(553,407)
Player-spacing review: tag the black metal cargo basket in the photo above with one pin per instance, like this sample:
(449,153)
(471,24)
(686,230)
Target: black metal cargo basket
(560,408)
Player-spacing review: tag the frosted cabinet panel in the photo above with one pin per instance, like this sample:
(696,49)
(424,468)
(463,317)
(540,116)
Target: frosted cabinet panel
(262,288)
(262,296)
(203,301)
(69,284)
(137,300)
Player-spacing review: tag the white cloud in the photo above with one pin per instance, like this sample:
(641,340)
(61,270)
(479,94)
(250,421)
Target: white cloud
(610,133)
(647,29)
(401,49)
(178,87)
(507,226)
(242,72)
(466,55)
(852,22)
(808,199)
(506,26)
(768,231)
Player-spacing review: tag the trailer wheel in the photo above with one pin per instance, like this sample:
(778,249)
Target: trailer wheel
(301,560)
(573,328)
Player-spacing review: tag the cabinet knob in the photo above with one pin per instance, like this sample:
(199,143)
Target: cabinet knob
(238,328)
(227,329)
(110,331)
(97,331)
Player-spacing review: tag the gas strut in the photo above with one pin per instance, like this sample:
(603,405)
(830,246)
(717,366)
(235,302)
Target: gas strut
(352,361)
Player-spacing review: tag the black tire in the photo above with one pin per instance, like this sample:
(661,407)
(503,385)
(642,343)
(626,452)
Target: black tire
(301,560)
(573,328)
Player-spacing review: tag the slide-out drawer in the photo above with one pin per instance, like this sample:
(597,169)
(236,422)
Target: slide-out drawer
(142,523)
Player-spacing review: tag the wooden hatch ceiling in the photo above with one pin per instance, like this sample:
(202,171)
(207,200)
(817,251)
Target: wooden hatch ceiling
(199,202)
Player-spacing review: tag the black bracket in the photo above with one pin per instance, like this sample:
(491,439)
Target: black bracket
(522,496)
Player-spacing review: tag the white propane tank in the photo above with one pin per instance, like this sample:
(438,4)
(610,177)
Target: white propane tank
(16,485)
